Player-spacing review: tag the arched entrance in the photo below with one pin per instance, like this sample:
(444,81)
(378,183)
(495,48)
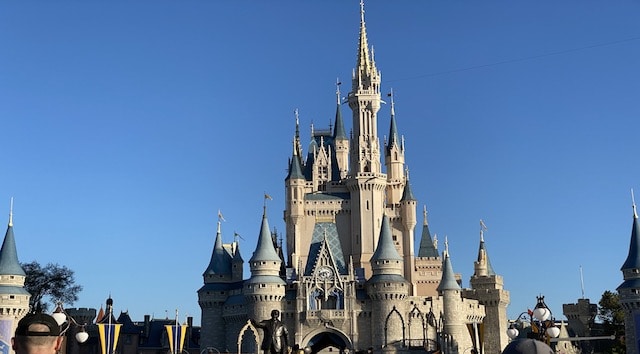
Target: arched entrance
(326,340)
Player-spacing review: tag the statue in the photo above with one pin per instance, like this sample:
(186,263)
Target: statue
(275,340)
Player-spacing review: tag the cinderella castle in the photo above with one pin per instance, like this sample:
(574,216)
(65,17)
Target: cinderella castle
(350,279)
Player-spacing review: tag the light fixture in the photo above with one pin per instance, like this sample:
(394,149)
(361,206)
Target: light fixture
(542,322)
(65,321)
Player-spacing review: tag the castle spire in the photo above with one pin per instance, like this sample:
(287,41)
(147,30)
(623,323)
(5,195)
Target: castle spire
(633,258)
(9,264)
(448,280)
(265,251)
(427,244)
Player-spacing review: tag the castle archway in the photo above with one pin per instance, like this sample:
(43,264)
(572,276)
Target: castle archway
(323,338)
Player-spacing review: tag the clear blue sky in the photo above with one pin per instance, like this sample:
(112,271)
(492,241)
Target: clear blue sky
(127,125)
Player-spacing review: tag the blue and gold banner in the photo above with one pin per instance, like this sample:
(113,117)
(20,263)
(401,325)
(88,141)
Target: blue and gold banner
(108,337)
(6,329)
(176,334)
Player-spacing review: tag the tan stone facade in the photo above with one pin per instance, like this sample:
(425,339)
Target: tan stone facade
(350,279)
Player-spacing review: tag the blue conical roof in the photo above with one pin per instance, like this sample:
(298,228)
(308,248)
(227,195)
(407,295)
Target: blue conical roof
(448,281)
(9,264)
(633,259)
(295,170)
(265,250)
(407,194)
(385,250)
(339,132)
(220,262)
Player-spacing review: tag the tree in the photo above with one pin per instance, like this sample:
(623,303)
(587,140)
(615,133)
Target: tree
(53,282)
(611,314)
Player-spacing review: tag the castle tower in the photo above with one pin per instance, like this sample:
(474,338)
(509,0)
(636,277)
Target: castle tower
(214,293)
(366,182)
(629,290)
(15,300)
(294,213)
(387,289)
(394,161)
(487,288)
(408,214)
(265,289)
(454,312)
(340,140)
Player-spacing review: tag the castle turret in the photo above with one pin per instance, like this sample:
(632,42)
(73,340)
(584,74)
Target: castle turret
(294,212)
(340,139)
(629,290)
(265,289)
(488,288)
(408,214)
(453,306)
(394,161)
(387,288)
(218,279)
(15,300)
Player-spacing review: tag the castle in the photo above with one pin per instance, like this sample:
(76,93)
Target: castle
(350,279)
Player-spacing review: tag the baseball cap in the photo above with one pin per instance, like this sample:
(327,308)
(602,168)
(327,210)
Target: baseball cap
(25,324)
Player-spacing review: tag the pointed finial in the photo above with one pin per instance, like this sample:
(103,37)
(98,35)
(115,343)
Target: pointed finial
(435,241)
(446,246)
(11,213)
(393,111)
(295,112)
(406,173)
(338,83)
(220,217)
(633,201)
(266,196)
(424,215)
(483,228)
(362,11)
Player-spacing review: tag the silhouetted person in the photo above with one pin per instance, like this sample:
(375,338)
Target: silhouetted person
(37,334)
(275,339)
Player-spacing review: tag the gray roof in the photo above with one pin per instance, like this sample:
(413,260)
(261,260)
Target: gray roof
(13,290)
(527,346)
(327,196)
(295,170)
(407,194)
(448,280)
(427,249)
(220,262)
(9,264)
(386,249)
(265,279)
(265,250)
(633,259)
(490,270)
(387,278)
(339,132)
(393,133)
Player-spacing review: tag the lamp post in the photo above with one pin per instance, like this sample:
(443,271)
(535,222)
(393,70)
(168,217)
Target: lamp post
(543,326)
(65,321)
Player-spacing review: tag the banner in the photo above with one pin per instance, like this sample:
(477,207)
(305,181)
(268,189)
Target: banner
(108,337)
(176,334)
(6,332)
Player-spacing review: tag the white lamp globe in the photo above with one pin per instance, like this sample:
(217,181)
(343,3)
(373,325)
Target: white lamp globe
(59,317)
(553,332)
(512,333)
(541,313)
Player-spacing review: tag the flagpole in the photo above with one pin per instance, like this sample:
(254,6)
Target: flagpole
(175,335)
(109,332)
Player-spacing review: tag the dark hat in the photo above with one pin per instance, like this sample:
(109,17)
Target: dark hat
(527,346)
(24,326)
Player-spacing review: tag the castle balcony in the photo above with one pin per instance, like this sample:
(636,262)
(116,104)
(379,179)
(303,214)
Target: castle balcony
(334,318)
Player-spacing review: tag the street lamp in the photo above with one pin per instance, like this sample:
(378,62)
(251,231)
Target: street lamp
(542,323)
(62,318)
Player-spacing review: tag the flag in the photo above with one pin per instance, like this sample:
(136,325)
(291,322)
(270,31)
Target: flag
(108,337)
(176,334)
(220,217)
(266,196)
(483,227)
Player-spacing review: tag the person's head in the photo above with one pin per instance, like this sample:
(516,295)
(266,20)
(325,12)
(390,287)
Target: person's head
(37,333)
(275,314)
